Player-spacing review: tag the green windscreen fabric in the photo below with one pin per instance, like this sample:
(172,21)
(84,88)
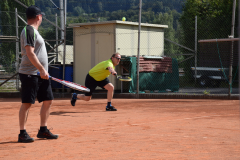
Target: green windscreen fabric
(152,81)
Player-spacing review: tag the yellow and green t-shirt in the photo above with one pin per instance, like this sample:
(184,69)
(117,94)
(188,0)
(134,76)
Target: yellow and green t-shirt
(100,71)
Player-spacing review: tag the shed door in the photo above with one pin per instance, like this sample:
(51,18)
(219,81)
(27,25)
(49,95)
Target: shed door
(104,50)
(104,47)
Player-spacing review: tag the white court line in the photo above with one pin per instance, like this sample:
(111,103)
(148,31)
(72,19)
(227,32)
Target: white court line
(166,121)
(184,119)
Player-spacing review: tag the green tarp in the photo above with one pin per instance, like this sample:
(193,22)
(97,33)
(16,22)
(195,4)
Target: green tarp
(151,81)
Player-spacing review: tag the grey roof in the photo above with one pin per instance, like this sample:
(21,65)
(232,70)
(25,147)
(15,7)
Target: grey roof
(73,25)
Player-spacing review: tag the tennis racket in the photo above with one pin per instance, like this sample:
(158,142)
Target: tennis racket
(72,85)
(123,78)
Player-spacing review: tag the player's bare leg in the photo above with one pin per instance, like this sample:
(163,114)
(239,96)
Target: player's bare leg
(83,97)
(44,114)
(23,114)
(45,111)
(79,96)
(110,88)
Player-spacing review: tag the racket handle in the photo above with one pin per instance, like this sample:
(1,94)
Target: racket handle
(116,75)
(38,73)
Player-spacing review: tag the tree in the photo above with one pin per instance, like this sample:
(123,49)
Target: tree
(77,11)
(214,19)
(7,16)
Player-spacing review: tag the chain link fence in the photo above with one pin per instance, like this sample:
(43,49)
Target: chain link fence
(207,72)
(175,62)
(8,41)
(10,49)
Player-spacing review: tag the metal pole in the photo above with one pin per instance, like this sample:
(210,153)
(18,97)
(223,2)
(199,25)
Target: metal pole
(65,12)
(64,47)
(43,17)
(238,49)
(233,18)
(62,34)
(231,53)
(17,50)
(56,37)
(62,18)
(195,49)
(138,50)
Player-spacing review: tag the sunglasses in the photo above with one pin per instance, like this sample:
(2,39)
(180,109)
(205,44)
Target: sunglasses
(117,58)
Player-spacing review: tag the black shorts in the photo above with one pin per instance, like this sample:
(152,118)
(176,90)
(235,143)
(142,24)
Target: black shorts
(33,86)
(91,83)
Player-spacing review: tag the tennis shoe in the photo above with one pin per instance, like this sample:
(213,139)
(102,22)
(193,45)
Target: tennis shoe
(46,134)
(74,98)
(110,108)
(25,138)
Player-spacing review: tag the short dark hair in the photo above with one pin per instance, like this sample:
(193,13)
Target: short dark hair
(115,54)
(33,11)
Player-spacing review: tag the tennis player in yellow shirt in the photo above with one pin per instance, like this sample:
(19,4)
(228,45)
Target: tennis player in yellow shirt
(98,76)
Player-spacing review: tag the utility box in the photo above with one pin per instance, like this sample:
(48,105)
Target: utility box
(96,42)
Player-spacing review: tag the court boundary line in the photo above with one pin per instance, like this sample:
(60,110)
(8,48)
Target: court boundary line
(139,124)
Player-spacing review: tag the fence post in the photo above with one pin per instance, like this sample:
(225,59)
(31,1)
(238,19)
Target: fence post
(238,50)
(195,49)
(17,50)
(231,53)
(138,53)
(65,38)
(56,37)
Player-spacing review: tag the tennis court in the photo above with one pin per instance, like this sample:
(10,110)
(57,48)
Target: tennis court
(172,129)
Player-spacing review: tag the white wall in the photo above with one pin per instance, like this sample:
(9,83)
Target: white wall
(152,40)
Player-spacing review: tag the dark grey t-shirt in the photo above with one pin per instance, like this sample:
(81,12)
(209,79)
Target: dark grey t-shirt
(31,37)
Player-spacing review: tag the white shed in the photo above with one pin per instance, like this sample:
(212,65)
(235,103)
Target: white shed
(97,41)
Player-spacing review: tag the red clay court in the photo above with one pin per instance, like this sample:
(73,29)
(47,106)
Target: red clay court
(145,129)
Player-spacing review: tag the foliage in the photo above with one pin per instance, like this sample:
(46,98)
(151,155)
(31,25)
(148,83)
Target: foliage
(213,19)
(7,50)
(95,6)
(207,11)
(154,11)
(179,15)
(206,92)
